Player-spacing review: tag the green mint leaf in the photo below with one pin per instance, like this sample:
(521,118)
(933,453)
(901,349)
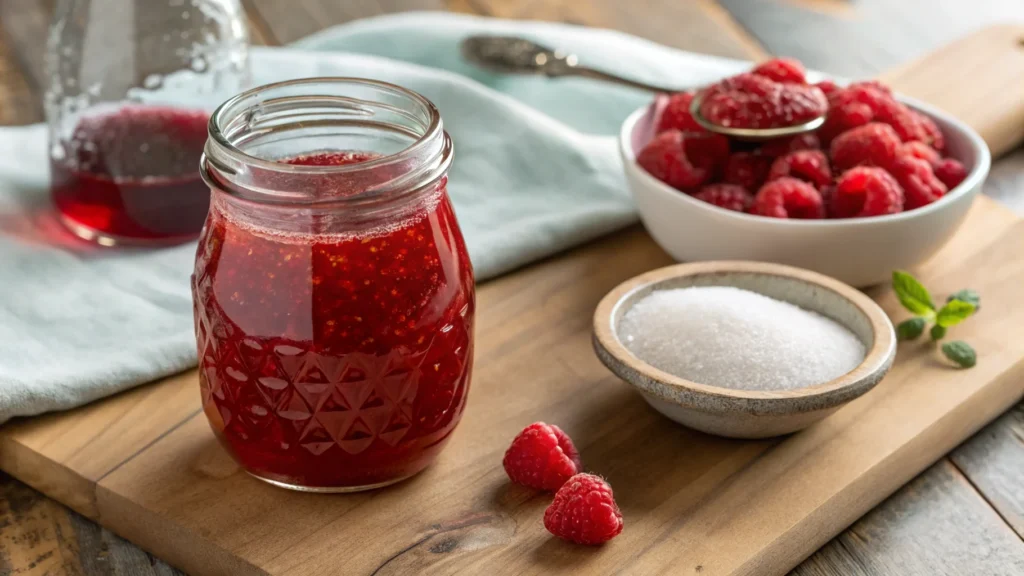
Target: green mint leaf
(910,329)
(961,353)
(912,294)
(953,313)
(938,332)
(969,296)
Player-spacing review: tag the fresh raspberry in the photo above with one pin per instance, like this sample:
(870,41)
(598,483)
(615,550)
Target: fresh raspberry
(541,457)
(747,169)
(853,106)
(751,101)
(584,511)
(782,70)
(782,146)
(872,144)
(807,165)
(828,87)
(676,114)
(933,134)
(665,158)
(920,186)
(950,172)
(788,198)
(905,122)
(920,150)
(728,196)
(866,191)
(708,151)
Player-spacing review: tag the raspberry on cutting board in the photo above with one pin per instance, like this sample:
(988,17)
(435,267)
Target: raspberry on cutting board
(584,511)
(541,457)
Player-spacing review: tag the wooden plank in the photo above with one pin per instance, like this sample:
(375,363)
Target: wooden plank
(935,525)
(700,25)
(696,25)
(19,101)
(860,39)
(39,537)
(993,460)
(25,24)
(289,21)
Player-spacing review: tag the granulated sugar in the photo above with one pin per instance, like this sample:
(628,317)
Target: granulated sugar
(736,338)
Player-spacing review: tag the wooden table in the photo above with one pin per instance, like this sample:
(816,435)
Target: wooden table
(965,515)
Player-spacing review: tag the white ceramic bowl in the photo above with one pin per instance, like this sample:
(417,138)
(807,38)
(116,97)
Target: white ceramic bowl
(858,251)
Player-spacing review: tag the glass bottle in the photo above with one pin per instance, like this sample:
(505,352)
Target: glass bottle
(333,294)
(131,85)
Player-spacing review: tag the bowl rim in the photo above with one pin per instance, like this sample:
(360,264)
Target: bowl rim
(878,357)
(982,162)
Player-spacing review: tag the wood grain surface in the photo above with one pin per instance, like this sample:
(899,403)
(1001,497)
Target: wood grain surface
(32,526)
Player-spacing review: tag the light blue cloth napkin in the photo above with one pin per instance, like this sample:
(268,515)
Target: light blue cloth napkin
(535,172)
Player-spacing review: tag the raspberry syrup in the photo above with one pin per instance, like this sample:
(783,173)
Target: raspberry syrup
(334,361)
(132,176)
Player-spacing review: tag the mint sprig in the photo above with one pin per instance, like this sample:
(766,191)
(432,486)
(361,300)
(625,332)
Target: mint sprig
(958,307)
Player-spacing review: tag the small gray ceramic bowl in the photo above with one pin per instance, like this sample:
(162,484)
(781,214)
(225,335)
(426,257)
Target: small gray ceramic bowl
(748,413)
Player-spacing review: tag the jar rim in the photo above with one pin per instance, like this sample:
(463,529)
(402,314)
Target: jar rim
(432,133)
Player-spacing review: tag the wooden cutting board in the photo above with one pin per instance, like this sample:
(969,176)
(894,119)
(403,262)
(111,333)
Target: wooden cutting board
(146,465)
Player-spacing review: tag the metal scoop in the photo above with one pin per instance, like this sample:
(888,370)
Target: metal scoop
(514,55)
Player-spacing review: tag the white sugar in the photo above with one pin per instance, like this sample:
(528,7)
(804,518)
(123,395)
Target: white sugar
(734,338)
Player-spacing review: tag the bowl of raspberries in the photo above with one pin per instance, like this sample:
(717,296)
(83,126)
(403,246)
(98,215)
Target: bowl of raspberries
(881,185)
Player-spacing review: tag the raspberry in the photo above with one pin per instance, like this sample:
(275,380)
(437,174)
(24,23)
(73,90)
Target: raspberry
(920,186)
(782,70)
(920,150)
(828,87)
(783,146)
(728,196)
(747,169)
(751,101)
(665,158)
(853,106)
(866,191)
(904,121)
(950,172)
(808,165)
(541,457)
(872,144)
(584,511)
(676,114)
(708,151)
(788,198)
(932,132)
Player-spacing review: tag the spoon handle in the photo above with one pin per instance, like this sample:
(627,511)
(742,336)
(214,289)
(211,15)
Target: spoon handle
(595,74)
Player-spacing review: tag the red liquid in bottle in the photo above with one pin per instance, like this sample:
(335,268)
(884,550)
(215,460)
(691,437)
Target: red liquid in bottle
(133,176)
(333,361)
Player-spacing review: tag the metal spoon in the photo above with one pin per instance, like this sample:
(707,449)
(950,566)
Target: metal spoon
(514,55)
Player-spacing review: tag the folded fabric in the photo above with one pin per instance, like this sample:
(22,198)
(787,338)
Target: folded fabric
(536,172)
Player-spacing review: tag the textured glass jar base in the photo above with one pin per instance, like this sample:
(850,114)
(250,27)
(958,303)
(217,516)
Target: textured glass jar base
(101,238)
(332,489)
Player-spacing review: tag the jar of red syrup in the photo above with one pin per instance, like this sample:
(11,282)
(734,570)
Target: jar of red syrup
(333,294)
(131,86)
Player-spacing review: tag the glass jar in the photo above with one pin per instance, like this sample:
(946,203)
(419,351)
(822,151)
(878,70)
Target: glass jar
(333,294)
(131,86)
